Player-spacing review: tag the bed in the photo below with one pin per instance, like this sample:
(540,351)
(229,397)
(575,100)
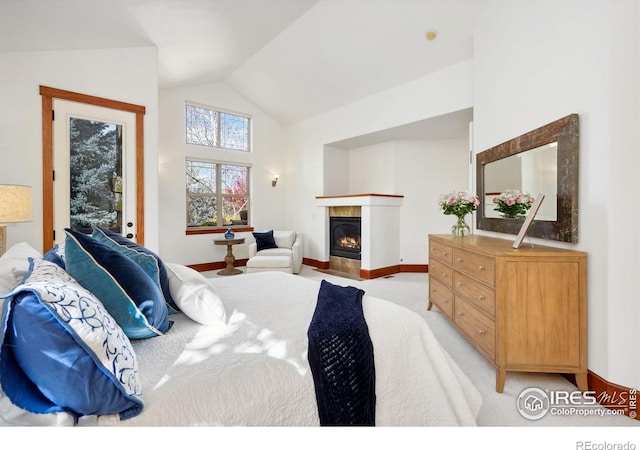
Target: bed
(248,365)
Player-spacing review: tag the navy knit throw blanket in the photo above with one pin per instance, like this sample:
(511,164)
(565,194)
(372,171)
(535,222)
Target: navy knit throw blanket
(341,358)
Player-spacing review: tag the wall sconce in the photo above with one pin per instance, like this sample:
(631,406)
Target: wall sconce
(15,206)
(275,180)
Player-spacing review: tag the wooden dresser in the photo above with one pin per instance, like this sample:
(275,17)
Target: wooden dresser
(524,309)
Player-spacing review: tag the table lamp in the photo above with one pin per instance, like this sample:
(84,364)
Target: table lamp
(15,206)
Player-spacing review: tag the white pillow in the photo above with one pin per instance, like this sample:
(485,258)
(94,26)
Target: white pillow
(195,296)
(14,265)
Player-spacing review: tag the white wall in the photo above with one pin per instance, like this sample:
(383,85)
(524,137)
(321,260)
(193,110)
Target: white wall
(421,170)
(267,210)
(424,171)
(372,169)
(624,247)
(128,75)
(535,62)
(441,93)
(336,170)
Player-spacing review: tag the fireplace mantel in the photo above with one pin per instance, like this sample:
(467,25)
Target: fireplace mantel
(360,200)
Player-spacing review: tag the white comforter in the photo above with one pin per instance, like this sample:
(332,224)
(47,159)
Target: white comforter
(255,371)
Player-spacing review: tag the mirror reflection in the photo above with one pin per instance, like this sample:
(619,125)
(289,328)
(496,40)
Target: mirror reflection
(544,160)
(531,172)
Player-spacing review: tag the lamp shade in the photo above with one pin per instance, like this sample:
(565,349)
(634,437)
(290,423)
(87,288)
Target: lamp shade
(15,203)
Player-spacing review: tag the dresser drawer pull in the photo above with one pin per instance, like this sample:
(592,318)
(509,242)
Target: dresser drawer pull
(460,314)
(480,267)
(460,283)
(444,253)
(460,259)
(481,297)
(481,332)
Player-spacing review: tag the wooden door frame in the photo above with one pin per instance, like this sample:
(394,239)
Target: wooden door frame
(48,94)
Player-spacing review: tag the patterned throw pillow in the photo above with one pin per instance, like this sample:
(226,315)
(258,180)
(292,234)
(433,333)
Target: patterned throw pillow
(61,350)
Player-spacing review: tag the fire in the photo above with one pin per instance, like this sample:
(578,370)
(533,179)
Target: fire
(349,242)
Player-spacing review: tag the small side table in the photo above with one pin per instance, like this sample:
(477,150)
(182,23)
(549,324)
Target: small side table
(229,259)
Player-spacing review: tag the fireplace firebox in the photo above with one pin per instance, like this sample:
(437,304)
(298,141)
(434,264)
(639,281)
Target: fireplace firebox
(345,237)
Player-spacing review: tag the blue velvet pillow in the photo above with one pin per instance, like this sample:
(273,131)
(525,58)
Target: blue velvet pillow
(265,240)
(148,260)
(61,351)
(127,292)
(54,256)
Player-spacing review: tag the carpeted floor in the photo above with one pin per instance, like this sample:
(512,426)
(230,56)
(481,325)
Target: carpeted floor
(498,409)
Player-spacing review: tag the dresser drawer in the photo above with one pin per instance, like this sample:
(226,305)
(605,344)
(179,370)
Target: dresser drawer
(475,292)
(441,273)
(442,297)
(477,266)
(441,251)
(479,328)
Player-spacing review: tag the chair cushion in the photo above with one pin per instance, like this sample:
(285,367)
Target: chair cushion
(284,239)
(275,252)
(276,261)
(264,240)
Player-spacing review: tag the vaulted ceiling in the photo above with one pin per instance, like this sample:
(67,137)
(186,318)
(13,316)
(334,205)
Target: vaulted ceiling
(293,58)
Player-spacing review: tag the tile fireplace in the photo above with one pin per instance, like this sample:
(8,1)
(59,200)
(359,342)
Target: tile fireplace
(362,233)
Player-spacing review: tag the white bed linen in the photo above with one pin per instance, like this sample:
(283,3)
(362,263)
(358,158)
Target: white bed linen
(254,371)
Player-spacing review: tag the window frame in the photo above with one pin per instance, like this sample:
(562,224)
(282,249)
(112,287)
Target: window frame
(219,196)
(217,130)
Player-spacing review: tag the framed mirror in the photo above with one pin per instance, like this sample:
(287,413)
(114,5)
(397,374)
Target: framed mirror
(543,160)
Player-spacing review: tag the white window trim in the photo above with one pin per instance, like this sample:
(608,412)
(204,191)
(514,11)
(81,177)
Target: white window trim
(220,110)
(218,163)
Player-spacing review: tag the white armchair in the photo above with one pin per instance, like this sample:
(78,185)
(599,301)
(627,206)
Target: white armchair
(283,252)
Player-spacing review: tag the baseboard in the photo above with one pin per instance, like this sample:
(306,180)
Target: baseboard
(323,265)
(614,396)
(375,273)
(414,268)
(378,273)
(205,267)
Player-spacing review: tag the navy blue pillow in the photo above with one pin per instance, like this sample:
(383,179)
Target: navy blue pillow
(61,350)
(53,256)
(124,288)
(265,240)
(148,260)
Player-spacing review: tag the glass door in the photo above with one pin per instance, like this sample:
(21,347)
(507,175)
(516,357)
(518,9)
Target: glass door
(94,169)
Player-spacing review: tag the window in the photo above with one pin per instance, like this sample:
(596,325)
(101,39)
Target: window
(217,194)
(206,126)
